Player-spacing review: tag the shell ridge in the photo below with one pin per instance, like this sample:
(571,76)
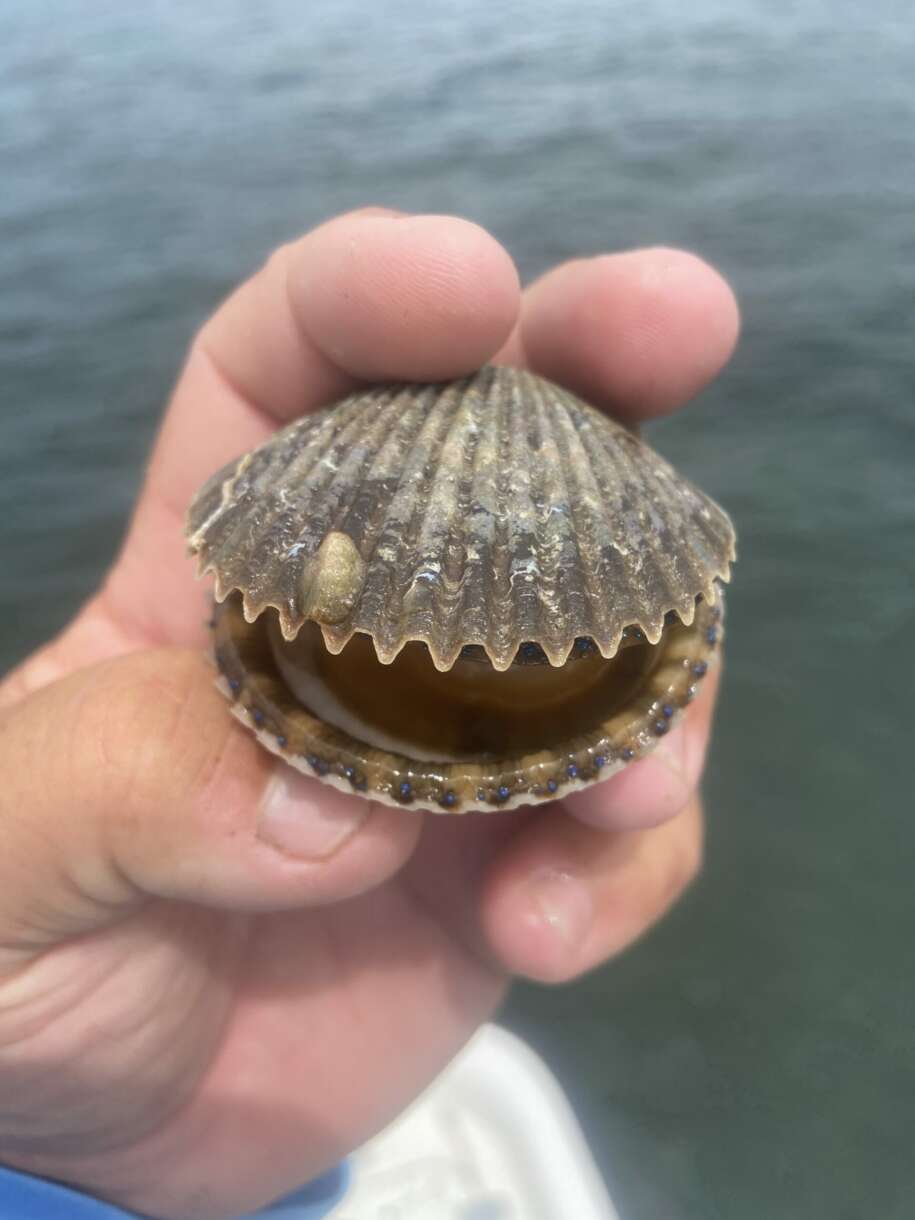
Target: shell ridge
(465,625)
(524,574)
(292,464)
(716,527)
(690,554)
(579,619)
(551,496)
(590,526)
(399,532)
(474,526)
(223,526)
(692,550)
(621,458)
(397,429)
(383,438)
(296,534)
(315,472)
(243,528)
(665,543)
(443,547)
(351,455)
(217,488)
(367,512)
(616,565)
(501,625)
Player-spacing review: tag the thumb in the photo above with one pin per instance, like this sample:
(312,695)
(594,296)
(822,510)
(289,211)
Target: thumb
(131,780)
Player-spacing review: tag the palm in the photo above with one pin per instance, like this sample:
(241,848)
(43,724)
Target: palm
(290,1012)
(279,1014)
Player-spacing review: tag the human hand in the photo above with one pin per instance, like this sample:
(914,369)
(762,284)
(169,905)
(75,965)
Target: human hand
(205,997)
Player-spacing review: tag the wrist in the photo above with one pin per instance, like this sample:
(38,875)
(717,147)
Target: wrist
(31,1198)
(24,1197)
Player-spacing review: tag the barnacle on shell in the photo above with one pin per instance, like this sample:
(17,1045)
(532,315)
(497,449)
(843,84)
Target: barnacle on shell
(464,595)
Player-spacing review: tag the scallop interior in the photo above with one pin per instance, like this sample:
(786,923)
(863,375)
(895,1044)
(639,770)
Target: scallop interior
(471,737)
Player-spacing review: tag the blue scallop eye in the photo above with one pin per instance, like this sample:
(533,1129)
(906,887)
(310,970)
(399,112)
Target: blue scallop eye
(712,634)
(234,684)
(667,711)
(406,790)
(448,798)
(282,742)
(600,761)
(700,668)
(572,771)
(551,785)
(503,793)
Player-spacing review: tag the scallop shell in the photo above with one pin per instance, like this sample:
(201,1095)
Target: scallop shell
(495,511)
(469,527)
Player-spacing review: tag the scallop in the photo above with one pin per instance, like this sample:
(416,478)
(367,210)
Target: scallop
(469,595)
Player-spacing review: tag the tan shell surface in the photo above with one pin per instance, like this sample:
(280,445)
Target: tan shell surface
(494,510)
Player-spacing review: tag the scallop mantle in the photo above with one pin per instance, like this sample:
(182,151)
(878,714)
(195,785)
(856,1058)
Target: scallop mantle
(495,510)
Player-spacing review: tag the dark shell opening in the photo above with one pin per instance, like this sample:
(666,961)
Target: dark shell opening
(472,737)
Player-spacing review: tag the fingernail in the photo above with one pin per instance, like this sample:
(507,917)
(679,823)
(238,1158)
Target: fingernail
(302,817)
(563,904)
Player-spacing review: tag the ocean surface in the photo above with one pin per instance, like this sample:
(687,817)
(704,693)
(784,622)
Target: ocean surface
(754,1057)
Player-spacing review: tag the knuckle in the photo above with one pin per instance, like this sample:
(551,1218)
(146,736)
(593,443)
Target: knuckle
(154,737)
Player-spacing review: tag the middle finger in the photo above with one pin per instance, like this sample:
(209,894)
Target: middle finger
(561,898)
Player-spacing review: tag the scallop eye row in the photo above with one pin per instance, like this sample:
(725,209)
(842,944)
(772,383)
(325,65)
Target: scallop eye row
(537,782)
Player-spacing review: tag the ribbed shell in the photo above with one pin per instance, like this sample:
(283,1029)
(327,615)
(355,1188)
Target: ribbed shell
(494,510)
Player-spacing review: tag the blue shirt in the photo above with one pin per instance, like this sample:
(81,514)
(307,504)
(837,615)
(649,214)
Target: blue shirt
(26,1198)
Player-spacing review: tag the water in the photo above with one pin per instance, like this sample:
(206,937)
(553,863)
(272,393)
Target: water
(755,1056)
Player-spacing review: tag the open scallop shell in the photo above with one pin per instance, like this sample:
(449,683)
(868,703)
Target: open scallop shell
(498,514)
